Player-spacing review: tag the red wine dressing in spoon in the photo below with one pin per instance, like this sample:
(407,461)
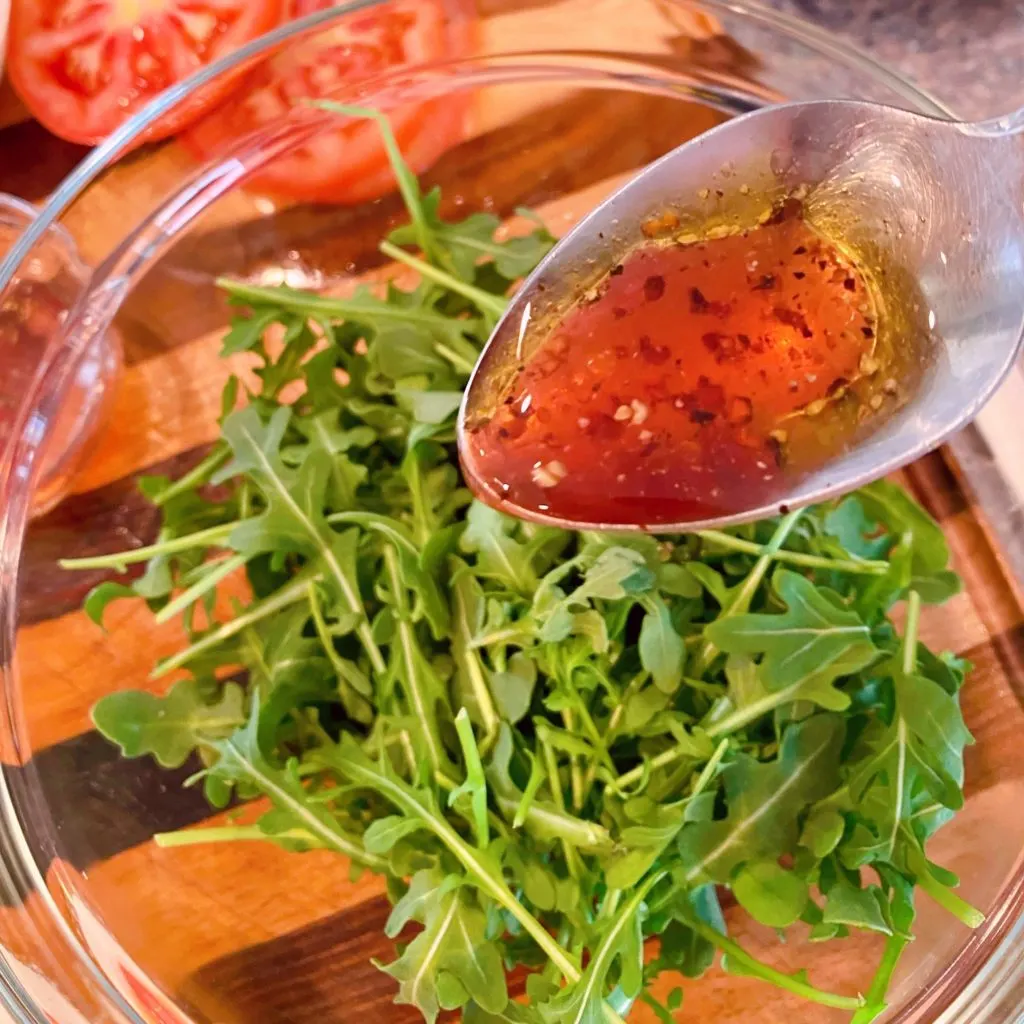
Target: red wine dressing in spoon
(698,379)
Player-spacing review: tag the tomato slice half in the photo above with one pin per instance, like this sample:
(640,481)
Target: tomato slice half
(82,67)
(347,164)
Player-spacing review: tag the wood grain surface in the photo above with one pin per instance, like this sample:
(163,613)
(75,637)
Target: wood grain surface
(249,934)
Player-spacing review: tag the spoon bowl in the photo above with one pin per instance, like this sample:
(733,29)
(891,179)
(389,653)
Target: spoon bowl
(935,208)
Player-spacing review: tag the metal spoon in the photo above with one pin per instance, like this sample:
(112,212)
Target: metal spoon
(940,201)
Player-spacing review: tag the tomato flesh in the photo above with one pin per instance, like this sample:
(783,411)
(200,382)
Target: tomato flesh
(346,164)
(82,67)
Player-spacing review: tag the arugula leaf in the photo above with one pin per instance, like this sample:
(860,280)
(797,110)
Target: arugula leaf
(498,555)
(822,831)
(770,894)
(514,1013)
(897,509)
(765,801)
(241,765)
(475,786)
(920,750)
(513,688)
(101,595)
(815,637)
(661,647)
(171,727)
(465,243)
(683,949)
(450,961)
(855,907)
(541,819)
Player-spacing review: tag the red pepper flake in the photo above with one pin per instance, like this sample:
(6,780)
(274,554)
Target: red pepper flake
(656,354)
(698,304)
(654,288)
(791,318)
(740,411)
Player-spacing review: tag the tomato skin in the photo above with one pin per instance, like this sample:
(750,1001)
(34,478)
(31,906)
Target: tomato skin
(82,69)
(347,164)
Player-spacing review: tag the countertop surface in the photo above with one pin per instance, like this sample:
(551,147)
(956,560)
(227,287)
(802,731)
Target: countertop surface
(967,53)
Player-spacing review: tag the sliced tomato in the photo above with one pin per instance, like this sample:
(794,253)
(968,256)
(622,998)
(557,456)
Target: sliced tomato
(347,164)
(83,66)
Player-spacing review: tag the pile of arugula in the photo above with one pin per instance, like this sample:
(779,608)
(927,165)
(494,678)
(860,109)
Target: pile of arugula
(554,746)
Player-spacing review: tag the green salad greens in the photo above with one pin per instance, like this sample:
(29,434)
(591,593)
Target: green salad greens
(553,746)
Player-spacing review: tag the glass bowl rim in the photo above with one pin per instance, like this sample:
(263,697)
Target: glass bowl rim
(817,39)
(970,959)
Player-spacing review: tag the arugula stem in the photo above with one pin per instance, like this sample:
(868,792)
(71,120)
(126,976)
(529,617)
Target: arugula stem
(589,727)
(408,185)
(619,710)
(474,771)
(405,742)
(245,499)
(407,652)
(910,632)
(740,600)
(499,636)
(609,904)
(474,670)
(581,834)
(533,784)
(708,772)
(614,721)
(291,593)
(195,477)
(948,900)
(218,571)
(575,770)
(555,785)
(875,1005)
(608,947)
(634,775)
(213,537)
(422,513)
(484,301)
(226,834)
(742,717)
(341,669)
(761,970)
(313,305)
(453,357)
(727,540)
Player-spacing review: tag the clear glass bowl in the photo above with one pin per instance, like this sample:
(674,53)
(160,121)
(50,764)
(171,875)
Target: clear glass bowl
(565,98)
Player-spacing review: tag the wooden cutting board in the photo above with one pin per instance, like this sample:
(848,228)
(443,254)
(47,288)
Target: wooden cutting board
(254,935)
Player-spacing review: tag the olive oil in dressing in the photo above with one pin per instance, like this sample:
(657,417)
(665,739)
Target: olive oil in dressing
(699,378)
